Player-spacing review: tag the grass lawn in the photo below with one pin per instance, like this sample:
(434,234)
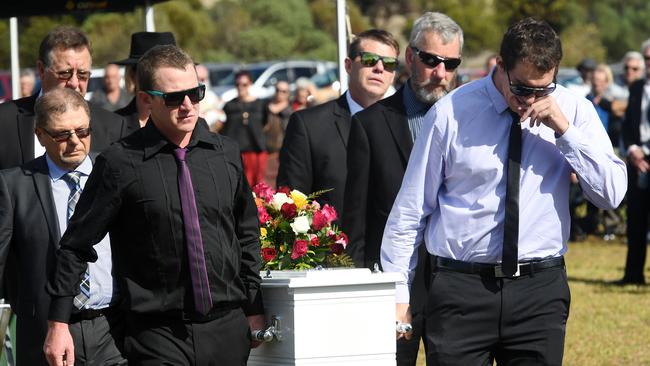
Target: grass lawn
(609,325)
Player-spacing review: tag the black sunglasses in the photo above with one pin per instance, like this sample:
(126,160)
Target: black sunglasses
(66,135)
(432,60)
(370,59)
(524,91)
(65,75)
(174,99)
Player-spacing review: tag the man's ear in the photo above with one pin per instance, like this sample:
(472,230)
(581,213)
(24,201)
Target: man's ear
(500,64)
(40,67)
(144,98)
(348,65)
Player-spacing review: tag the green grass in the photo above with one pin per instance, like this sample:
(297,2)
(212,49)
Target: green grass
(609,325)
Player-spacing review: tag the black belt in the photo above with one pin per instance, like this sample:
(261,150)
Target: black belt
(88,314)
(494,270)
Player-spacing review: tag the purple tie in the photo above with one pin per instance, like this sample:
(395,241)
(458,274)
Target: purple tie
(198,272)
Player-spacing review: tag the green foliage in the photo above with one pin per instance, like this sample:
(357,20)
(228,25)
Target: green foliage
(579,42)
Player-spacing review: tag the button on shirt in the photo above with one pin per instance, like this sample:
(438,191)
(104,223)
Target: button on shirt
(101,281)
(453,192)
(133,194)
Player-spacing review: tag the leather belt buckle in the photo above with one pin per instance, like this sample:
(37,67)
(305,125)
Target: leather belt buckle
(498,272)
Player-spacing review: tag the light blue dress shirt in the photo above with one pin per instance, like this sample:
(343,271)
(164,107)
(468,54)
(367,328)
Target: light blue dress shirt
(453,192)
(101,280)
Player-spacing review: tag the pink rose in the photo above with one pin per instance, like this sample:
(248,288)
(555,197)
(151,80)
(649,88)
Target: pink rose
(289,210)
(314,241)
(336,248)
(342,239)
(315,205)
(268,254)
(329,212)
(263,191)
(319,221)
(299,249)
(263,215)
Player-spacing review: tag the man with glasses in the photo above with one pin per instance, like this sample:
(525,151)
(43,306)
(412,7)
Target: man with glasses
(184,231)
(486,189)
(64,61)
(636,143)
(36,201)
(313,155)
(381,139)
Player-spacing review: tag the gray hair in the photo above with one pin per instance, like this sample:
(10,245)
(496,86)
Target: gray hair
(57,102)
(438,23)
(634,55)
(645,45)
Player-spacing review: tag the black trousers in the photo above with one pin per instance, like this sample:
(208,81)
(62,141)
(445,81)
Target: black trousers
(99,341)
(473,319)
(157,340)
(638,209)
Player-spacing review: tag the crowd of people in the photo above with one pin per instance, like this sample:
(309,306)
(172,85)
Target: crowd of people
(133,236)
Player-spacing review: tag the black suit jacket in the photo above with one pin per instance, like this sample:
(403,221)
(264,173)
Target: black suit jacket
(17,130)
(131,117)
(313,154)
(29,236)
(630,128)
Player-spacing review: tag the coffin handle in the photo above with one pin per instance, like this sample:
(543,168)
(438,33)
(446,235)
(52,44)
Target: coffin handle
(269,334)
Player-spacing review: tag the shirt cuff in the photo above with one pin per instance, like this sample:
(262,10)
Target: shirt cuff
(402,293)
(254,305)
(60,309)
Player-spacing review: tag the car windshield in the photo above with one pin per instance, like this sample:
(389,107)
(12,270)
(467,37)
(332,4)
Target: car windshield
(230,78)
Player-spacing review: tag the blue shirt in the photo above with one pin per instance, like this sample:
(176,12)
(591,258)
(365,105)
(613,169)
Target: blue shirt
(101,280)
(453,191)
(415,110)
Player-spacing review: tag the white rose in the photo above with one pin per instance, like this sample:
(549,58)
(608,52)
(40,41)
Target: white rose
(280,199)
(300,225)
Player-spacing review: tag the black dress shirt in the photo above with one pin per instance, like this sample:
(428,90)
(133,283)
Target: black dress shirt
(132,193)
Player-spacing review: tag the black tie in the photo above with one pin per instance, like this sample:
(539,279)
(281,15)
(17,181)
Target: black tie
(511,222)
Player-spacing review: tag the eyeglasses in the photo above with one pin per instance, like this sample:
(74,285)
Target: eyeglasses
(65,75)
(524,91)
(631,68)
(370,59)
(66,135)
(282,90)
(432,60)
(174,99)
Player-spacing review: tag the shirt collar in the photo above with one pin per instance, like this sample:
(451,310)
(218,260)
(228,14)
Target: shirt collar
(498,100)
(412,103)
(57,172)
(156,141)
(354,106)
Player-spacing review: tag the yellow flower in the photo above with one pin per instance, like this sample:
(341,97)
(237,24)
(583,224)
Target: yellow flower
(281,248)
(299,199)
(263,232)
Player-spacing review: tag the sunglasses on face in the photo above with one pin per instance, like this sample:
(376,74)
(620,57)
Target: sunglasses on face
(174,99)
(370,59)
(631,68)
(524,91)
(65,75)
(66,135)
(432,60)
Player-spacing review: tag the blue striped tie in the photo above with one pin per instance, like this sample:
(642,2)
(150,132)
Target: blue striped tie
(73,178)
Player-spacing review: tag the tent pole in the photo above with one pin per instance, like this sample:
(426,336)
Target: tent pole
(15,62)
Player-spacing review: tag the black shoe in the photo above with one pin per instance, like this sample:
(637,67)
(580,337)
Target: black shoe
(625,281)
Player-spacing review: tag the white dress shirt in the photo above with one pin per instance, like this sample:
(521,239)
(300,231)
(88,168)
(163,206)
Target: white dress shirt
(101,280)
(352,104)
(453,192)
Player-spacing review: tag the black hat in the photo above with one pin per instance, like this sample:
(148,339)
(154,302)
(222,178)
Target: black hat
(142,42)
(587,64)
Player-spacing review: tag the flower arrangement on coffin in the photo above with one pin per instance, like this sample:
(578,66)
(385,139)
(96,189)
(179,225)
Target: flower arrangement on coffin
(296,232)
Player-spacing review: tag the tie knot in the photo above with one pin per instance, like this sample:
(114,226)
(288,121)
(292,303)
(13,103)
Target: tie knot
(72,177)
(179,153)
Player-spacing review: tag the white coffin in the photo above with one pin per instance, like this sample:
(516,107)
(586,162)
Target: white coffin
(329,317)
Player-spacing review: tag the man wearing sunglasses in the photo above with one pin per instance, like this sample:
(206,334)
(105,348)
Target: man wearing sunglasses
(381,139)
(313,155)
(36,201)
(636,142)
(64,61)
(486,189)
(184,231)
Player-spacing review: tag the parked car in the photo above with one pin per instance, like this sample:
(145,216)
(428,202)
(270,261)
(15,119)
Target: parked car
(327,85)
(221,72)
(266,74)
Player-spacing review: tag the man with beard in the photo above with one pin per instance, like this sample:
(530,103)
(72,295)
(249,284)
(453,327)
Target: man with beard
(381,138)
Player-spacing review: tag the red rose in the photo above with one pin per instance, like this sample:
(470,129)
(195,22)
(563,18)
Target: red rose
(289,210)
(285,190)
(268,254)
(336,248)
(263,215)
(314,241)
(329,212)
(342,239)
(299,249)
(262,190)
(319,221)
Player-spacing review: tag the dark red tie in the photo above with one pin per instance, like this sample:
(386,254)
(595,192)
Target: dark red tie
(193,239)
(511,222)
